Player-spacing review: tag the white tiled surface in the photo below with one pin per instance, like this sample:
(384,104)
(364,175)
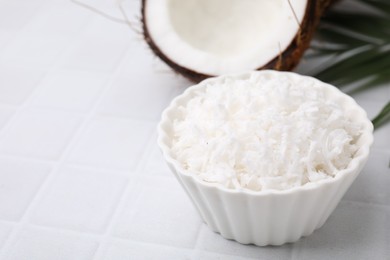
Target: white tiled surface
(114,143)
(81,176)
(20,181)
(16,88)
(5,115)
(69,90)
(5,230)
(79,199)
(128,250)
(39,133)
(34,243)
(151,195)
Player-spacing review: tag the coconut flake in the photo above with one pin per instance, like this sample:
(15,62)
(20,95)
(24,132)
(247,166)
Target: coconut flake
(263,133)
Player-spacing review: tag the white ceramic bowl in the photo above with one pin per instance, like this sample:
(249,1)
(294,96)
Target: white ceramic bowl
(269,217)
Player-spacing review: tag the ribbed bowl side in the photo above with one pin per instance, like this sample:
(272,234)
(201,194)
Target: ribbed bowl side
(265,220)
(348,180)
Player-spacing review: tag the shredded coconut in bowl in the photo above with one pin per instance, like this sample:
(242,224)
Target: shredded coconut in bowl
(263,132)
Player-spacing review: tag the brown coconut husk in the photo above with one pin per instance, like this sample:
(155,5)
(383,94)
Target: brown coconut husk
(287,59)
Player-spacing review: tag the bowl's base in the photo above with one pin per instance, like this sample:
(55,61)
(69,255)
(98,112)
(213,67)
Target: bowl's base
(264,242)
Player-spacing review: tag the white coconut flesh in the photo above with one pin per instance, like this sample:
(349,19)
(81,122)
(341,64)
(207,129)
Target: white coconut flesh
(216,37)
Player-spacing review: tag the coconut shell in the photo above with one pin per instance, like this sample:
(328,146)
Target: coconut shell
(285,61)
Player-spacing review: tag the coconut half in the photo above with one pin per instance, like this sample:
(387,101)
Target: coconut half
(203,38)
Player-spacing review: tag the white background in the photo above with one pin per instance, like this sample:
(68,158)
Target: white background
(81,176)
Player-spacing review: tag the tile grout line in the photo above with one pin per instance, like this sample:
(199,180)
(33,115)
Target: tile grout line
(8,106)
(28,159)
(197,249)
(121,202)
(97,236)
(136,242)
(364,204)
(20,108)
(295,250)
(150,244)
(19,31)
(297,247)
(27,102)
(61,160)
(73,232)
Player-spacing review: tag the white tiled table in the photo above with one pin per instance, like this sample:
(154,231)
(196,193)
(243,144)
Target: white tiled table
(81,176)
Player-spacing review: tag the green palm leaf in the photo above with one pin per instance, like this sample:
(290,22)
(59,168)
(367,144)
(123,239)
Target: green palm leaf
(383,116)
(356,44)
